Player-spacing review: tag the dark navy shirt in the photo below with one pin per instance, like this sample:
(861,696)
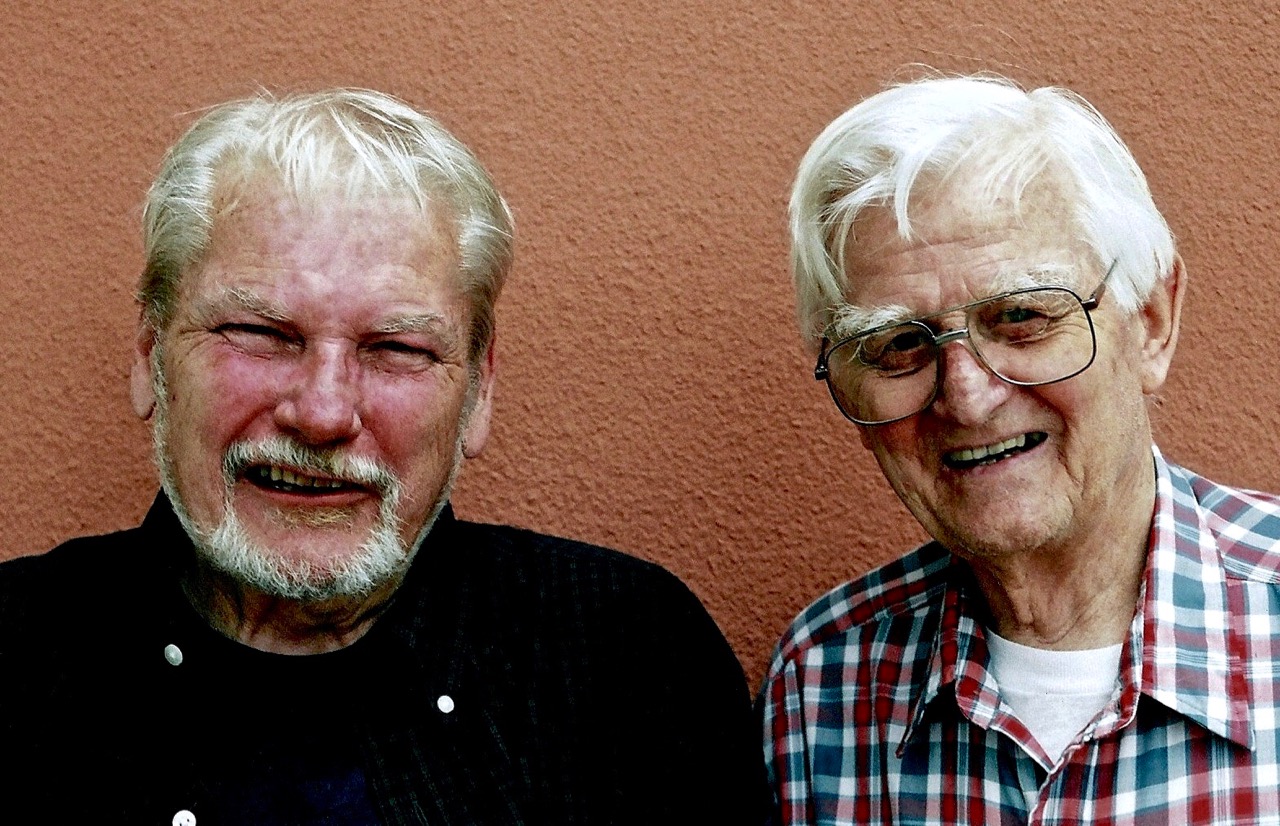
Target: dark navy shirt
(290,753)
(515,679)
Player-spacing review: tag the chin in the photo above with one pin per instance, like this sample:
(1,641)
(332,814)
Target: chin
(353,569)
(379,559)
(1003,536)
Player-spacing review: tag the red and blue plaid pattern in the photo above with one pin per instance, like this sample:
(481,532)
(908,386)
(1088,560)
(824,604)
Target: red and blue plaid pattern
(878,706)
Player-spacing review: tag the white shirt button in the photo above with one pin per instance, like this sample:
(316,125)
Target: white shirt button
(445,703)
(183,818)
(173,654)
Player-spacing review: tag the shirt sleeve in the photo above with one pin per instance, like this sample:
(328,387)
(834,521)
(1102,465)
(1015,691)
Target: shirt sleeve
(785,745)
(698,755)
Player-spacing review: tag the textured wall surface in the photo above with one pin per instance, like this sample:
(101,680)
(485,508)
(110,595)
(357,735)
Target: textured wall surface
(653,393)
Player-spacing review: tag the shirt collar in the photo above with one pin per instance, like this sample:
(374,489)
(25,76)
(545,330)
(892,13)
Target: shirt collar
(958,653)
(1181,629)
(1188,641)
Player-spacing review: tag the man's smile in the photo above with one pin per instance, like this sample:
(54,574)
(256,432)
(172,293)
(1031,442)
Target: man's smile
(286,480)
(988,454)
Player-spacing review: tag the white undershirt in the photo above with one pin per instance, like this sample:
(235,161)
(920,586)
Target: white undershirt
(1054,693)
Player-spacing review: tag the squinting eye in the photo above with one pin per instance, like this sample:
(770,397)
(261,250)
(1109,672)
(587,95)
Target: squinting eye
(399,356)
(891,343)
(255,339)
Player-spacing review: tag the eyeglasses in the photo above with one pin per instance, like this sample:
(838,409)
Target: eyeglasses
(1027,337)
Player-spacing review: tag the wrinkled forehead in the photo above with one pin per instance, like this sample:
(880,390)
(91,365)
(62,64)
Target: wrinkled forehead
(964,203)
(262,238)
(849,320)
(959,243)
(258,205)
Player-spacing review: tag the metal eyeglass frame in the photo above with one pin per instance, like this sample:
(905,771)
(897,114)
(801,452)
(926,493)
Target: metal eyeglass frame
(821,372)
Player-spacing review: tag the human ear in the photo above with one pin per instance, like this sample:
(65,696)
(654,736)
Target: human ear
(475,431)
(141,385)
(1161,317)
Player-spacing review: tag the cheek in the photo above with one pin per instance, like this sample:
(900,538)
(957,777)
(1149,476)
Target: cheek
(220,402)
(900,453)
(413,425)
(898,444)
(1093,404)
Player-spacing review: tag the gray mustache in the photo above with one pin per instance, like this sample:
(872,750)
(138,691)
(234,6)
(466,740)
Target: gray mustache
(309,460)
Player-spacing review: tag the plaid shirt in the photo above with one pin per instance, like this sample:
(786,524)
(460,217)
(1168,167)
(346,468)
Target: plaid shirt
(879,708)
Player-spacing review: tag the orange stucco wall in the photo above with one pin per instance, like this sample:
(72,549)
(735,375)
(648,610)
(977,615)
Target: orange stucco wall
(653,394)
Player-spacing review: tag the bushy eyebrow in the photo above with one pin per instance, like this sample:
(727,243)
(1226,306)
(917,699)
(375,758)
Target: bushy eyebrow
(1044,275)
(243,299)
(433,325)
(848,320)
(430,323)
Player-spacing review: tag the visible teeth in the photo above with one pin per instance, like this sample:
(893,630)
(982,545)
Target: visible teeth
(288,477)
(978,453)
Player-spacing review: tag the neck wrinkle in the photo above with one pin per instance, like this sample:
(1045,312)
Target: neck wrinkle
(281,626)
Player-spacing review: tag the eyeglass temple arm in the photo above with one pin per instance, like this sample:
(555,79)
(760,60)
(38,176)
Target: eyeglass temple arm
(1091,303)
(820,370)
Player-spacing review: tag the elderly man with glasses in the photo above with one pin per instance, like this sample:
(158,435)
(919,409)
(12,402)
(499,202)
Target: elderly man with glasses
(992,297)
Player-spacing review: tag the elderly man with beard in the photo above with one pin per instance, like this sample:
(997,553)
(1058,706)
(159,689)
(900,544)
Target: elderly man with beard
(992,297)
(300,631)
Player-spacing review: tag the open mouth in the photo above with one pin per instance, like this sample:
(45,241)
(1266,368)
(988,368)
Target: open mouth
(989,454)
(290,481)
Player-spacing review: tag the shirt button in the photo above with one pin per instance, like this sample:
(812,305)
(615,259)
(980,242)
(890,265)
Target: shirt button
(184,818)
(173,654)
(445,703)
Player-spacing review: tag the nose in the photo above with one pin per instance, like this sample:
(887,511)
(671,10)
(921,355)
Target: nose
(968,392)
(320,404)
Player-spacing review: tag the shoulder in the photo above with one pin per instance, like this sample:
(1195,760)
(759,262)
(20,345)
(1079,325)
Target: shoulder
(1244,524)
(901,591)
(517,582)
(612,665)
(68,587)
(68,565)
(83,553)
(529,560)
(560,604)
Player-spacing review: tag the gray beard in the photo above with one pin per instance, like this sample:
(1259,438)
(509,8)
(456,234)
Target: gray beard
(227,548)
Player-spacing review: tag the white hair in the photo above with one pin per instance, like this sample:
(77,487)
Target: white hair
(349,143)
(917,136)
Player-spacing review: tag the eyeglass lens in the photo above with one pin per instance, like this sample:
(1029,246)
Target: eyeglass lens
(1029,337)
